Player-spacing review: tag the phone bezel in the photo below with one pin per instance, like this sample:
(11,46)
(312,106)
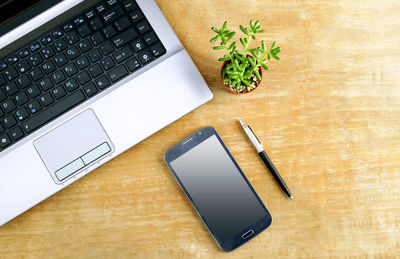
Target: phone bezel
(186,145)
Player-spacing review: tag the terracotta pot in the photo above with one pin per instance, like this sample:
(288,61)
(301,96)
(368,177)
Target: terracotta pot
(234,92)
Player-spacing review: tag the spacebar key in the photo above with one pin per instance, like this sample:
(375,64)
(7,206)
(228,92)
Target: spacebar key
(53,111)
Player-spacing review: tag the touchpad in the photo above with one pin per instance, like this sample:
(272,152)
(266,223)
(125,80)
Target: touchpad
(73,146)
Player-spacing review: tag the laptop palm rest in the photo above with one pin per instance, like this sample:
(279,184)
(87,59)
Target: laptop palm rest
(73,146)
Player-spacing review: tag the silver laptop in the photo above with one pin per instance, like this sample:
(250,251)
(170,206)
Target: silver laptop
(80,83)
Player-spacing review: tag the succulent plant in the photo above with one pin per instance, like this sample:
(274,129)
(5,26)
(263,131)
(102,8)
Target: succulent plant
(242,65)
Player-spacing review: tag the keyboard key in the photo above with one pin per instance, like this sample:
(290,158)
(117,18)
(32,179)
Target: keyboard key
(124,37)
(97,38)
(123,54)
(13,59)
(85,45)
(157,50)
(90,89)
(96,23)
(33,91)
(109,31)
(143,26)
(4,141)
(70,69)
(45,84)
(106,48)
(48,52)
(58,77)
(22,113)
(11,73)
(73,53)
(90,14)
(21,98)
(3,95)
(95,70)
(112,2)
(57,33)
(128,5)
(46,40)
(112,14)
(137,45)
(61,60)
(11,88)
(2,129)
(102,82)
(136,15)
(49,67)
(71,37)
(145,57)
(46,99)
(117,73)
(100,8)
(150,38)
(79,20)
(59,92)
(2,80)
(36,74)
(83,77)
(82,62)
(23,53)
(94,55)
(16,133)
(24,81)
(34,107)
(107,63)
(71,85)
(9,121)
(133,64)
(36,59)
(34,46)
(84,30)
(3,65)
(122,23)
(23,66)
(60,45)
(68,27)
(52,112)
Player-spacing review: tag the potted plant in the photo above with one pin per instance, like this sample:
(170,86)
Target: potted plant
(241,71)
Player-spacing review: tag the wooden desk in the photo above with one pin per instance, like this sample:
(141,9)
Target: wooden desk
(328,114)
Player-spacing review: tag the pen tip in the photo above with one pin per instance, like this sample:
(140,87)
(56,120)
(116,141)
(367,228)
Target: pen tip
(291,197)
(242,122)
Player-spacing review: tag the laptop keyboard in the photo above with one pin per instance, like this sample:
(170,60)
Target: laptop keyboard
(72,63)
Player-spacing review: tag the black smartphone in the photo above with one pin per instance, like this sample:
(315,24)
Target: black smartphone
(218,189)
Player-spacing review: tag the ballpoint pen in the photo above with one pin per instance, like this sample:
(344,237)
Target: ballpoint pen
(260,150)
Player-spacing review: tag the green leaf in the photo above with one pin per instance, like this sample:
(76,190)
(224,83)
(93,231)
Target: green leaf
(219,47)
(236,64)
(242,42)
(273,45)
(247,74)
(232,45)
(251,24)
(260,31)
(253,36)
(261,50)
(255,53)
(233,76)
(269,56)
(264,66)
(215,38)
(230,72)
(247,83)
(243,65)
(223,59)
(263,45)
(215,29)
(240,52)
(244,30)
(257,24)
(257,74)
(224,26)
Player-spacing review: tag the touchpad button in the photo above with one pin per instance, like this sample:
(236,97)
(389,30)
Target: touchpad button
(73,146)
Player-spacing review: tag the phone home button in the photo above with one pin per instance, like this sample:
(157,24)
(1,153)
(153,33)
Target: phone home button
(247,234)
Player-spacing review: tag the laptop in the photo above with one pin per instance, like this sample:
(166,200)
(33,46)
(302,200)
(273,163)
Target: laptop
(80,83)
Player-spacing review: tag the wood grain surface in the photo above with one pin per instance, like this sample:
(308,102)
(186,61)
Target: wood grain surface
(328,114)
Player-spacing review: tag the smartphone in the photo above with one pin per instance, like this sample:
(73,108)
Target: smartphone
(218,189)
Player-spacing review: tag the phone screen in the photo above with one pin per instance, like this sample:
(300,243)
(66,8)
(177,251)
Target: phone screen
(217,188)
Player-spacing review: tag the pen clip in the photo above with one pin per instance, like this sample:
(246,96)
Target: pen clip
(254,134)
